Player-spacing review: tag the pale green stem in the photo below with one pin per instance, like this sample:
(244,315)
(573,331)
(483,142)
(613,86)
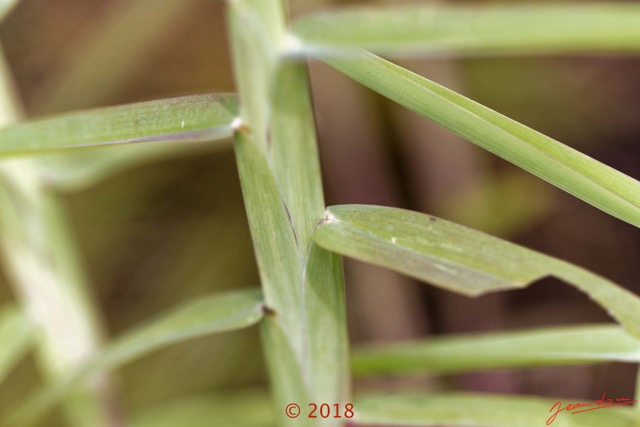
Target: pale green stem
(40,259)
(305,335)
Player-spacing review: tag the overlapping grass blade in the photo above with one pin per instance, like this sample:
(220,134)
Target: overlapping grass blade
(204,316)
(562,166)
(189,118)
(305,339)
(16,337)
(296,168)
(457,258)
(540,347)
(467,409)
(430,29)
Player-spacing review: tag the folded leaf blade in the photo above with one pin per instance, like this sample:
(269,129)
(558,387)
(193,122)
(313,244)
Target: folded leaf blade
(457,258)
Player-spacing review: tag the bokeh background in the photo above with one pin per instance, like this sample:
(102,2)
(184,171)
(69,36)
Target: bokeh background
(173,227)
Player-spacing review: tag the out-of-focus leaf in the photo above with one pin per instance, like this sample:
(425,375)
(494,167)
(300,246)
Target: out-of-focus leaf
(457,258)
(99,67)
(542,347)
(474,30)
(562,166)
(80,169)
(6,6)
(501,205)
(205,316)
(466,409)
(189,118)
(244,409)
(16,337)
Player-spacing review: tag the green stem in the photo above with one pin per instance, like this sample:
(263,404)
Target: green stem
(305,335)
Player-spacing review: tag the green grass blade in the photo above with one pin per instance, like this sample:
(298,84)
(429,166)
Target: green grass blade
(204,316)
(16,338)
(562,166)
(474,30)
(244,409)
(293,151)
(326,344)
(296,168)
(281,272)
(467,409)
(459,353)
(457,258)
(189,118)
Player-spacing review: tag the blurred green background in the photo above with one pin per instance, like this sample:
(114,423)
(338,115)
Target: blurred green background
(172,227)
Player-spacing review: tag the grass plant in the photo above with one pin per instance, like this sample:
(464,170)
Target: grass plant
(298,241)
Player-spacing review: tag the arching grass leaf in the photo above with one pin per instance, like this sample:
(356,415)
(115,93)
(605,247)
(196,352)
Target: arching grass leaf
(562,166)
(204,316)
(457,258)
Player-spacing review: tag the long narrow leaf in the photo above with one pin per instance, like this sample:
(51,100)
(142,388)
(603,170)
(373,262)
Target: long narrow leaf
(459,353)
(457,258)
(205,316)
(16,336)
(562,166)
(466,409)
(474,30)
(190,118)
(296,168)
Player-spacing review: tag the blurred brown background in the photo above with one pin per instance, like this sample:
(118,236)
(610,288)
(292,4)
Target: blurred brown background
(173,229)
